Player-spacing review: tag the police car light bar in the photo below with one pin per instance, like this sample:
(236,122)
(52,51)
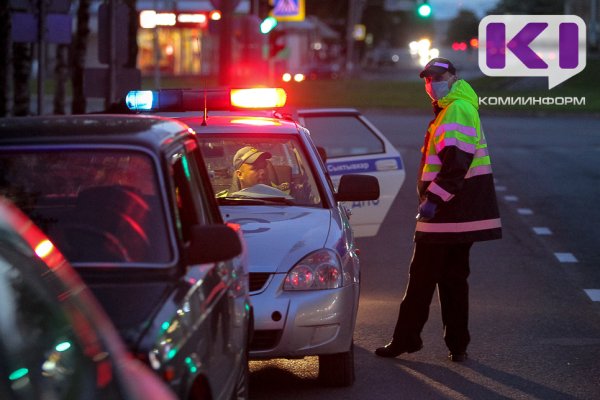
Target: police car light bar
(197,99)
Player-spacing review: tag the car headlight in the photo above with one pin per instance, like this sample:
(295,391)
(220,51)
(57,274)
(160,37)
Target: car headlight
(319,270)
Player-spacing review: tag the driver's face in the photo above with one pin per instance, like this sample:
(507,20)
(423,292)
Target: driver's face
(252,174)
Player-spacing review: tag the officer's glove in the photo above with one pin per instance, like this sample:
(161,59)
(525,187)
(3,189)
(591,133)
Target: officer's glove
(427,210)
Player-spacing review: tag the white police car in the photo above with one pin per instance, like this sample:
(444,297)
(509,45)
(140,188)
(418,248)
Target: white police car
(270,179)
(353,144)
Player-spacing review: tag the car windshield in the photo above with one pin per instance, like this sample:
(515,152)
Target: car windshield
(96,206)
(259,171)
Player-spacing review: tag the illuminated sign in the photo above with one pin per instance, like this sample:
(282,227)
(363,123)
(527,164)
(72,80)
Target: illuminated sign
(150,19)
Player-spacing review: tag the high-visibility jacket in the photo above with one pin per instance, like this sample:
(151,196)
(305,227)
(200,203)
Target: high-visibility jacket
(456,174)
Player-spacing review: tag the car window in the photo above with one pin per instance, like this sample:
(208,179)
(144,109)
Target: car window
(191,207)
(95,205)
(343,136)
(288,173)
(44,351)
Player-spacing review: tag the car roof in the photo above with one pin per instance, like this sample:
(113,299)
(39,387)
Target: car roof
(239,123)
(149,131)
(328,111)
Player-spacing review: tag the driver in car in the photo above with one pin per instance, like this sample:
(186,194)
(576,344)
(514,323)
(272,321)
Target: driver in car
(251,168)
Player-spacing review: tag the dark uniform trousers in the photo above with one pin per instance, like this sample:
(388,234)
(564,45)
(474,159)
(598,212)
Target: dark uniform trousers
(445,265)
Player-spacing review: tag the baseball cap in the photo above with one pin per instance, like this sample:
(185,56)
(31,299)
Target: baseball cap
(248,155)
(437,66)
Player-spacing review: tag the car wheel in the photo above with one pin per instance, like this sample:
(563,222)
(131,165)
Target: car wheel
(337,369)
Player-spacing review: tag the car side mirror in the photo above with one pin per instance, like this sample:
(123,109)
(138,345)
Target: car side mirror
(213,243)
(355,187)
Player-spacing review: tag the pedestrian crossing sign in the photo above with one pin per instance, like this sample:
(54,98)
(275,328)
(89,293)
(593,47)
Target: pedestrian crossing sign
(288,10)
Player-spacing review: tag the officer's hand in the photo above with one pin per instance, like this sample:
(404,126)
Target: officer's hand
(427,209)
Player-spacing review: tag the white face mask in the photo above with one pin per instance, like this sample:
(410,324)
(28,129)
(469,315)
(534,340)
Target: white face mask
(437,90)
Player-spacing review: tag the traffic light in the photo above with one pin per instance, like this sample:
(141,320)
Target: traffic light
(276,42)
(267,25)
(424,9)
(265,14)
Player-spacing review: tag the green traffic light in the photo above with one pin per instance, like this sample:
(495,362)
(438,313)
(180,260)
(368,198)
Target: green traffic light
(424,10)
(267,25)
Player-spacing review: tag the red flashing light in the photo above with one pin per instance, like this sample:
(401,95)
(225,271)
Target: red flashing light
(258,98)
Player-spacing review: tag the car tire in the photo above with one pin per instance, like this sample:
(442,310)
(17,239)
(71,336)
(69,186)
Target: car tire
(337,370)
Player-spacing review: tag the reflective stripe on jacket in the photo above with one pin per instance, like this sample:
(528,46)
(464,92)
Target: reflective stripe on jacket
(456,174)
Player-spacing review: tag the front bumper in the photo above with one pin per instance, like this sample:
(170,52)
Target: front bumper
(293,324)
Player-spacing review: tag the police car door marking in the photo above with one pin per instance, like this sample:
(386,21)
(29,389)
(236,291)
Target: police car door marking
(358,166)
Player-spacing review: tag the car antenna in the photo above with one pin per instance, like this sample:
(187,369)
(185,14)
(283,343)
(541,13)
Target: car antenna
(205,116)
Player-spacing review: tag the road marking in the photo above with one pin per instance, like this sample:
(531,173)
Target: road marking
(565,257)
(542,230)
(525,211)
(511,198)
(500,188)
(593,294)
(470,375)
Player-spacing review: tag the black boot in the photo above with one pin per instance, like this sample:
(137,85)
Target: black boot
(394,349)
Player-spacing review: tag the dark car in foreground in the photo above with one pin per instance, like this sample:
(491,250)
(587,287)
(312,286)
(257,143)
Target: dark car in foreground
(55,340)
(128,200)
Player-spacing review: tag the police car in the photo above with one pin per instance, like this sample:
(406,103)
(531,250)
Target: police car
(353,144)
(269,178)
(128,201)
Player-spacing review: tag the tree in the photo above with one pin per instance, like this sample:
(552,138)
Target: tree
(517,7)
(61,76)
(463,27)
(78,52)
(5,45)
(22,57)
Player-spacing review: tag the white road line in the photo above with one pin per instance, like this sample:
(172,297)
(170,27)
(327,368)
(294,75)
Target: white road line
(542,230)
(593,294)
(565,257)
(501,188)
(525,211)
(511,198)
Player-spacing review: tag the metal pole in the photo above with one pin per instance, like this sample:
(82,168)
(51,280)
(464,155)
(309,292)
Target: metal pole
(41,55)
(156,49)
(225,56)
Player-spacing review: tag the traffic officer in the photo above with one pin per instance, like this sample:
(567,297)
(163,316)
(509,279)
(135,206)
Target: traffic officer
(457,207)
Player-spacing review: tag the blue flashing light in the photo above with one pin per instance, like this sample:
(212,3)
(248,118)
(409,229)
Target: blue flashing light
(140,100)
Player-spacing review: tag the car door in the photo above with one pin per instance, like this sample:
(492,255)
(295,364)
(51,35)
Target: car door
(215,333)
(353,145)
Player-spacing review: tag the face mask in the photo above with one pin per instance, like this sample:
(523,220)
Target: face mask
(437,90)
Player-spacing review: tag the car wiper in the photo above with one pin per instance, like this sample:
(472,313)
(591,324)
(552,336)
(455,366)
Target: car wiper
(254,200)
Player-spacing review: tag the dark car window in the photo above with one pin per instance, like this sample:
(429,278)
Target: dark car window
(96,206)
(41,352)
(343,136)
(189,197)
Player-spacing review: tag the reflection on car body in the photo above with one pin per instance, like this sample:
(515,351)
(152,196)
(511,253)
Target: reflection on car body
(304,267)
(55,340)
(129,202)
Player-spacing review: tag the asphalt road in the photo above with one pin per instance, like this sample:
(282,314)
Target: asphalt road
(535,330)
